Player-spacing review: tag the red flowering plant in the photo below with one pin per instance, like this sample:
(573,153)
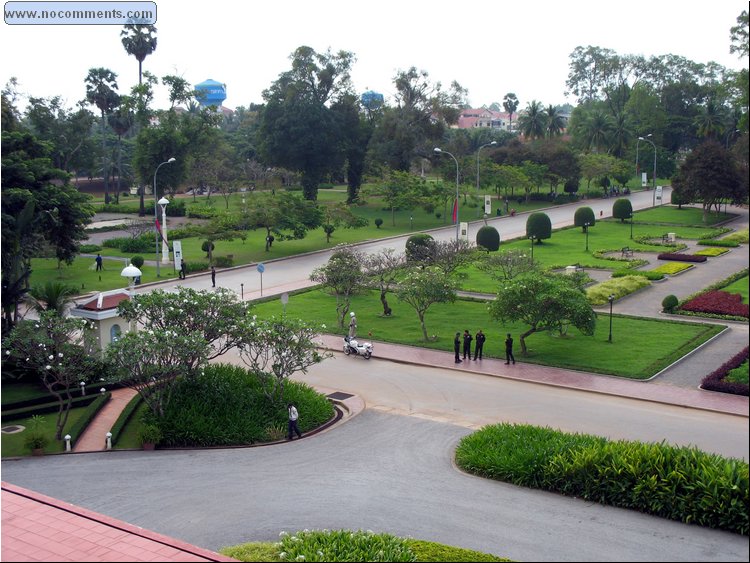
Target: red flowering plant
(717,303)
(681,257)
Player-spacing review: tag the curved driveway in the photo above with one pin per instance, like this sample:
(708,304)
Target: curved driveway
(385,471)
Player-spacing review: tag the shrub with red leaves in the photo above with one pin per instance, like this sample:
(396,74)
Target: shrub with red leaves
(682,257)
(715,380)
(717,303)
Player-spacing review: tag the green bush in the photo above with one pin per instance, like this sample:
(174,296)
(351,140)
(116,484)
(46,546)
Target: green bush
(150,434)
(648,274)
(137,261)
(201,211)
(207,246)
(225,406)
(419,248)
(223,261)
(679,483)
(584,215)
(539,226)
(344,545)
(669,303)
(192,267)
(176,208)
(125,417)
(89,248)
(619,287)
(378,222)
(622,209)
(488,238)
(723,243)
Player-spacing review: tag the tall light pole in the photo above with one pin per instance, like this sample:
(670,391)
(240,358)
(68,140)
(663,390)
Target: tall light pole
(156,217)
(586,228)
(437,150)
(654,178)
(631,225)
(531,238)
(479,149)
(611,300)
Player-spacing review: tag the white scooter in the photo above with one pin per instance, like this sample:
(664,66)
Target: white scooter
(352,346)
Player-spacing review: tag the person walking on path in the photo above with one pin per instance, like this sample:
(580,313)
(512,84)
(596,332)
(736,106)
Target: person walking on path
(509,350)
(479,344)
(182,269)
(98,261)
(467,343)
(457,347)
(352,325)
(293,416)
(213,276)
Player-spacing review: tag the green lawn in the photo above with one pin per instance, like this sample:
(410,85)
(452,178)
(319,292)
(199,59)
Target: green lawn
(739,286)
(640,347)
(672,215)
(12,444)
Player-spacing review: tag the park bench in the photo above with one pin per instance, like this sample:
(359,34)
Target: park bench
(665,237)
(627,252)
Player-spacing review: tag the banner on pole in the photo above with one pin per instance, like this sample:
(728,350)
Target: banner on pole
(177,246)
(488,204)
(644,179)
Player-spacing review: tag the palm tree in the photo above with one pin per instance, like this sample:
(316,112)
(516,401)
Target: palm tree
(711,120)
(510,103)
(121,120)
(597,129)
(101,84)
(139,41)
(52,296)
(622,134)
(555,122)
(532,122)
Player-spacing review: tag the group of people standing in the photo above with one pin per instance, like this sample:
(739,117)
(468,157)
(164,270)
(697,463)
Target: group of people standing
(479,340)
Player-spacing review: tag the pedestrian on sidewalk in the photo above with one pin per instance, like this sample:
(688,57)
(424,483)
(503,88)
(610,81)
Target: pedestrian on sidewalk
(213,276)
(467,343)
(293,416)
(182,269)
(509,350)
(98,261)
(479,344)
(352,325)
(457,347)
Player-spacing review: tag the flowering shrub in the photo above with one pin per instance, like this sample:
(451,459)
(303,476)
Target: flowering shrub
(681,257)
(672,268)
(718,303)
(714,251)
(343,545)
(715,381)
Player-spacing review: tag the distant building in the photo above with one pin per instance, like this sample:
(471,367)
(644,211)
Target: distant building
(212,94)
(483,117)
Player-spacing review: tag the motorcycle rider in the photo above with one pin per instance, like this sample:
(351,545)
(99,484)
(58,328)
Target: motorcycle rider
(352,326)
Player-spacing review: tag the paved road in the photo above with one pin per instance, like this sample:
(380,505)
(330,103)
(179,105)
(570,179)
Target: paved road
(390,469)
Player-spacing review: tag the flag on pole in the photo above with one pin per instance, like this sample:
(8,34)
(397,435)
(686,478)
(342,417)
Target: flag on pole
(158,230)
(455,210)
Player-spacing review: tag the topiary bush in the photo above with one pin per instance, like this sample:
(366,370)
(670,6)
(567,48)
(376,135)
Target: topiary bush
(669,303)
(622,209)
(420,248)
(207,247)
(539,226)
(137,261)
(378,222)
(584,215)
(488,238)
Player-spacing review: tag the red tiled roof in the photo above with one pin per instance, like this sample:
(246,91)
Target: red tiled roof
(108,302)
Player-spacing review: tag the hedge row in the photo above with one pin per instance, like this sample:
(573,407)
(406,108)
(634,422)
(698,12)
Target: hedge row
(648,274)
(715,380)
(679,483)
(721,242)
(124,418)
(48,405)
(681,257)
(717,302)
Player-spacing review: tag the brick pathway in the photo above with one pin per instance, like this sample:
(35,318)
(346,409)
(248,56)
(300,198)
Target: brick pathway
(39,528)
(94,438)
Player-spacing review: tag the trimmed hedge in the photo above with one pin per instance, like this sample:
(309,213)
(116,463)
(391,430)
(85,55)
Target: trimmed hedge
(681,257)
(719,303)
(679,483)
(42,406)
(720,243)
(124,418)
(715,381)
(648,274)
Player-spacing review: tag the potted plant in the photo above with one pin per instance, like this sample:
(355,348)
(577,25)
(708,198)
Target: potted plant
(36,440)
(149,435)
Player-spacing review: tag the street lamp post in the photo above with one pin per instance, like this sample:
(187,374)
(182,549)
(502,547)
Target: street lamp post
(637,147)
(132,273)
(458,227)
(586,229)
(531,238)
(163,202)
(479,149)
(156,218)
(654,175)
(611,300)
(631,225)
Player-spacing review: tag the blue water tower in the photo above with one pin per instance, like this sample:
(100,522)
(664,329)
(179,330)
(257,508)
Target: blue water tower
(212,93)
(372,101)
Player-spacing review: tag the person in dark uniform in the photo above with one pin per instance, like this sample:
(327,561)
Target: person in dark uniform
(467,343)
(457,347)
(509,350)
(479,344)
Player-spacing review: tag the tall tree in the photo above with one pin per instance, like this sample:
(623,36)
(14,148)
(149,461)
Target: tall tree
(139,41)
(121,120)
(423,287)
(298,129)
(555,122)
(343,275)
(101,86)
(510,103)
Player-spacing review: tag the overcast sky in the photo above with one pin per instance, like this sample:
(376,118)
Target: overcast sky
(490,48)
